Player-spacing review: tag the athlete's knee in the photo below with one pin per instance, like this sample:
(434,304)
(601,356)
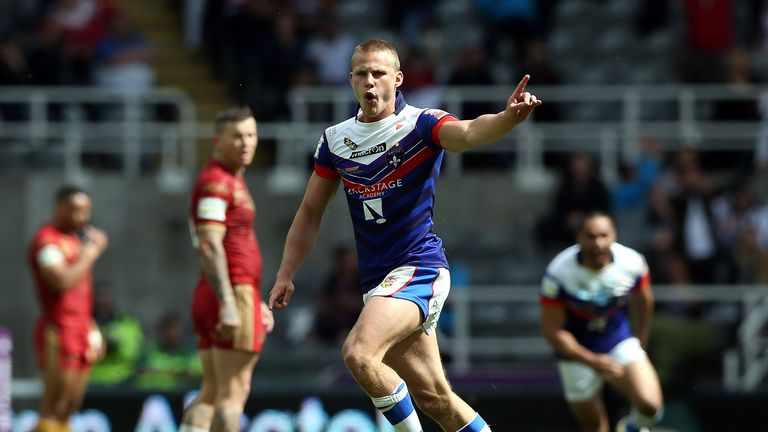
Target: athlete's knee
(357,358)
(206,395)
(648,407)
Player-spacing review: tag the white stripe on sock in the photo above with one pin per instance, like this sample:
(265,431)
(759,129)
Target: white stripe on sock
(409,424)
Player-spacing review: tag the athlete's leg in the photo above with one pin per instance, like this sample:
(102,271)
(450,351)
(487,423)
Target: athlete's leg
(582,387)
(63,392)
(590,414)
(199,414)
(641,386)
(76,386)
(65,378)
(417,360)
(53,388)
(233,372)
(383,322)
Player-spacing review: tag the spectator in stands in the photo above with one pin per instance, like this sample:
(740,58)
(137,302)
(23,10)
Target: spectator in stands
(695,228)
(310,13)
(339,303)
(123,336)
(193,19)
(420,87)
(741,223)
(123,59)
(743,108)
(580,192)
(80,25)
(709,37)
(637,178)
(14,71)
(750,256)
(47,62)
(248,30)
(472,68)
(668,266)
(509,20)
(285,48)
(329,51)
(630,196)
(407,17)
(537,64)
(169,363)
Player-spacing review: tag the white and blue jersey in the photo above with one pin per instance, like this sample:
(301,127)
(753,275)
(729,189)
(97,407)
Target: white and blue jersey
(389,170)
(596,301)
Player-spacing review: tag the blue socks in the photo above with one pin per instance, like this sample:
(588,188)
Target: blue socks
(398,410)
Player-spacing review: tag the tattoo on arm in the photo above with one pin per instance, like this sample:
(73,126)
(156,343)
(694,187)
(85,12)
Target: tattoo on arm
(214,263)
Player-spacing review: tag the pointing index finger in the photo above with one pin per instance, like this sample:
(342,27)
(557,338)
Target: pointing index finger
(521,86)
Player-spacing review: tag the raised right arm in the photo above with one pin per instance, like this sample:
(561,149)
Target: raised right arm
(59,275)
(301,236)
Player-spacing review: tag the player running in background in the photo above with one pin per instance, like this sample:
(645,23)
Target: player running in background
(231,321)
(61,255)
(388,158)
(596,311)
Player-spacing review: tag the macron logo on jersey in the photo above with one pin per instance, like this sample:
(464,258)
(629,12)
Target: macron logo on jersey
(378,148)
(372,210)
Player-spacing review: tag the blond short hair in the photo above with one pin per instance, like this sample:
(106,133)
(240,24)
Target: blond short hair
(378,45)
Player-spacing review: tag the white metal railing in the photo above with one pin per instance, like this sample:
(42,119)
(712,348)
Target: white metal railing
(613,132)
(675,113)
(125,127)
(744,365)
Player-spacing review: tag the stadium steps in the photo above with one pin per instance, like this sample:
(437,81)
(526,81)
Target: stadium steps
(175,65)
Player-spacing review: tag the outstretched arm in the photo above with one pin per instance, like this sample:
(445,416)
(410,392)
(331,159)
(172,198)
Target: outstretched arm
(459,136)
(301,237)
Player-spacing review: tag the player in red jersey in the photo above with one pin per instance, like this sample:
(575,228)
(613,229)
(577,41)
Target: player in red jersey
(230,319)
(66,338)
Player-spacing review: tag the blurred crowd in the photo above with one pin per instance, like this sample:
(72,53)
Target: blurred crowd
(72,43)
(706,220)
(696,225)
(148,357)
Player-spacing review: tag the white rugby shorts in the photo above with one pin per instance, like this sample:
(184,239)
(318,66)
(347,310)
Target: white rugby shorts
(581,382)
(426,287)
